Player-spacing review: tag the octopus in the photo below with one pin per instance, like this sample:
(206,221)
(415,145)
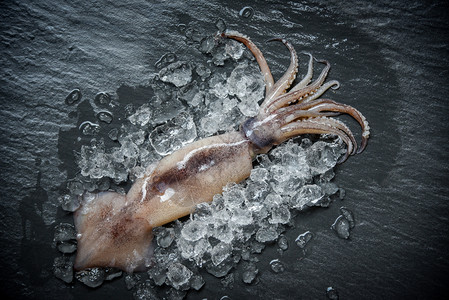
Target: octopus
(115,230)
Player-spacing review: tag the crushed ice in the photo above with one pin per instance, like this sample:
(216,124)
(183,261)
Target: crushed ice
(344,223)
(193,100)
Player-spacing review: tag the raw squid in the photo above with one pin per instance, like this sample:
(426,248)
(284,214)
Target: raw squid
(115,230)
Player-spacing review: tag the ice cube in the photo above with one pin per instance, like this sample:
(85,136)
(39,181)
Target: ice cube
(323,156)
(349,215)
(73,97)
(221,269)
(267,234)
(233,196)
(303,239)
(228,281)
(277,266)
(178,276)
(218,86)
(259,174)
(203,212)
(248,108)
(257,247)
(341,226)
(332,293)
(211,123)
(113,134)
(91,277)
(223,232)
(102,99)
(174,134)
(329,188)
(234,49)
(188,92)
(196,282)
(145,291)
(94,161)
(308,195)
(241,216)
(69,202)
(193,230)
(178,73)
(174,294)
(207,44)
(219,56)
(142,116)
(202,71)
(249,272)
(246,83)
(164,236)
(196,249)
(131,280)
(220,252)
(279,214)
(274,200)
(283,242)
(158,274)
(229,104)
(111,273)
(65,238)
(63,268)
(256,191)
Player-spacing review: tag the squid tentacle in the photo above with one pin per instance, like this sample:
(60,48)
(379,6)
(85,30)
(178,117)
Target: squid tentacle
(312,91)
(333,84)
(318,126)
(306,80)
(289,76)
(323,105)
(302,115)
(308,114)
(268,77)
(303,83)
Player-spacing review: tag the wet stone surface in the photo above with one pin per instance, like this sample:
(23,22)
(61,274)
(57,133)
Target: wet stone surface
(79,104)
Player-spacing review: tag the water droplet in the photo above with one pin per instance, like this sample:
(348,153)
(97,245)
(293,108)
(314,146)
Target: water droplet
(89,128)
(303,239)
(73,97)
(283,242)
(193,34)
(165,60)
(341,227)
(247,12)
(349,215)
(332,293)
(113,134)
(182,27)
(225,298)
(102,99)
(277,266)
(249,273)
(105,116)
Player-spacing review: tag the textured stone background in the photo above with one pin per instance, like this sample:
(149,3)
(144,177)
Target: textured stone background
(391,58)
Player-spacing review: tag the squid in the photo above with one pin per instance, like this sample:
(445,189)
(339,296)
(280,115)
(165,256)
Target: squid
(115,230)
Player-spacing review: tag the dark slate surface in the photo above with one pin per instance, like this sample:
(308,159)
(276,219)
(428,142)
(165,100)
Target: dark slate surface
(392,60)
